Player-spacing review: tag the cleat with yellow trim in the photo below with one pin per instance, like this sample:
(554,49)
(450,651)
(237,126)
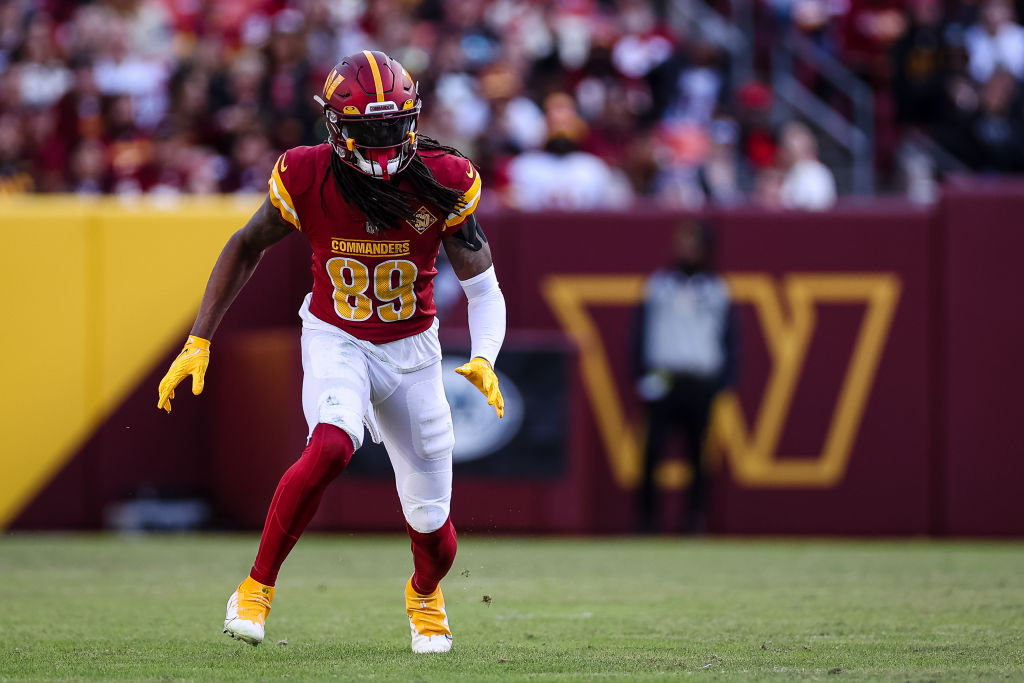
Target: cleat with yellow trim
(248,608)
(427,620)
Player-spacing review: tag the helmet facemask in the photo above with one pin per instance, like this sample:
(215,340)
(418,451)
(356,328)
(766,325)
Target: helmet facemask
(379,144)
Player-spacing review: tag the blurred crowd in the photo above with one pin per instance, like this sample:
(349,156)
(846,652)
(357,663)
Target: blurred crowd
(568,104)
(958,75)
(952,69)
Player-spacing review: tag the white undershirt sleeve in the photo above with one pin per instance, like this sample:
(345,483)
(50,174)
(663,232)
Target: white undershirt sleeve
(486,314)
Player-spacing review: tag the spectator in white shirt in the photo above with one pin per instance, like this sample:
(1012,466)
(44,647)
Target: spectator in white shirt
(995,42)
(561,176)
(808,183)
(118,71)
(42,77)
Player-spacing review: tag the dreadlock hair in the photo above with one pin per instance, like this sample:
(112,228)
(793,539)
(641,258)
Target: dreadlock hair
(384,204)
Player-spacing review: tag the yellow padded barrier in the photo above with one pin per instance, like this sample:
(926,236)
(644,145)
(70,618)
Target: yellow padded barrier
(93,293)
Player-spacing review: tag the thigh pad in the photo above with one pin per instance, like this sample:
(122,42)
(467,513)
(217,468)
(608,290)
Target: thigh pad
(433,437)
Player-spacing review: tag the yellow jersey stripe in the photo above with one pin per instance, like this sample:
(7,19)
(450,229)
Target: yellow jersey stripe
(377,82)
(471,198)
(280,198)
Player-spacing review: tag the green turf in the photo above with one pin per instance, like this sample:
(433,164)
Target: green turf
(151,608)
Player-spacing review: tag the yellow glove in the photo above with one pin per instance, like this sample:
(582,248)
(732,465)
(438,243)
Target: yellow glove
(479,372)
(192,360)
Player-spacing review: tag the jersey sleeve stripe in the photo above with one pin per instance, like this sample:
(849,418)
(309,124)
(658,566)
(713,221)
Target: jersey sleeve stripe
(280,198)
(472,198)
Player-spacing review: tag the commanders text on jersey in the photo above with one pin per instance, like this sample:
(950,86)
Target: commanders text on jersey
(370,247)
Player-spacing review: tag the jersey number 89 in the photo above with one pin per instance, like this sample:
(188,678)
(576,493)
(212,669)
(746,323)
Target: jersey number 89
(392,286)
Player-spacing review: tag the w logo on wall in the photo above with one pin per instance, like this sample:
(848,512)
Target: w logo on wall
(787,311)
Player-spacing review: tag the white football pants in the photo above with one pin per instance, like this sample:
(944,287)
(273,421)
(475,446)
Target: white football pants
(345,386)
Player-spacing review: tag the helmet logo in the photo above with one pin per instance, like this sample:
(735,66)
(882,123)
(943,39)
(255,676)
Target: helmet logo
(423,219)
(334,79)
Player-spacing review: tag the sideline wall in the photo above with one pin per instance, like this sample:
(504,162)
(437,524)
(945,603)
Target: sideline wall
(979,341)
(879,378)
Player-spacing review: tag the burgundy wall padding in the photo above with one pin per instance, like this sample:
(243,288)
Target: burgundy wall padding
(935,451)
(983,335)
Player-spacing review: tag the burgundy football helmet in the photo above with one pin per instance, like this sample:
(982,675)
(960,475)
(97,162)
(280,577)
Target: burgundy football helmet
(372,107)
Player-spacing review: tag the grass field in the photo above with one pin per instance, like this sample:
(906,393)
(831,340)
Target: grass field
(151,608)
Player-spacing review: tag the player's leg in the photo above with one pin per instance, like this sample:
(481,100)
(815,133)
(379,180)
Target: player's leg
(294,503)
(416,425)
(335,395)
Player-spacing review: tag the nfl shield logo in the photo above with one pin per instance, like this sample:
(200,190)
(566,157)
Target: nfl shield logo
(422,220)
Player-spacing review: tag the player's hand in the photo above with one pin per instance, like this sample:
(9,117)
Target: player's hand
(192,360)
(479,372)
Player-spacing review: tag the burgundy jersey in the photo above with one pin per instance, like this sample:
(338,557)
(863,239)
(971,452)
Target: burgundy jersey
(375,286)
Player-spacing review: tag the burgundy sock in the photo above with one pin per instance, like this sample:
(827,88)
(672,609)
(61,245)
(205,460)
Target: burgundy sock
(432,556)
(298,496)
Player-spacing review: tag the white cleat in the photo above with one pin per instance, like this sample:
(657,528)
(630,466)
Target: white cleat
(428,644)
(428,621)
(247,611)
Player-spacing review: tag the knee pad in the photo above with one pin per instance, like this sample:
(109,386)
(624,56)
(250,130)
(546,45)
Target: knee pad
(428,518)
(334,408)
(426,499)
(432,432)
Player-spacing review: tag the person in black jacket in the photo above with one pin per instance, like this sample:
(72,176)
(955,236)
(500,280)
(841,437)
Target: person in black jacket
(684,354)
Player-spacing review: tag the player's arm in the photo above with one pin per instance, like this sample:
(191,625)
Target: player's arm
(236,264)
(470,256)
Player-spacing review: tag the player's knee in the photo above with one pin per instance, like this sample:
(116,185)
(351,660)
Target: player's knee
(428,518)
(334,409)
(331,448)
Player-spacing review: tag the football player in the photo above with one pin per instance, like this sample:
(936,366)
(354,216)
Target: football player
(376,202)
